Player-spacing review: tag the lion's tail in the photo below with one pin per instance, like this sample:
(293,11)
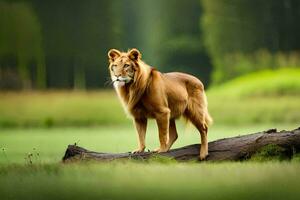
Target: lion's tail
(197,110)
(207,118)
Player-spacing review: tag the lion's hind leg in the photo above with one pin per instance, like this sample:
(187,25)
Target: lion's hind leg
(197,113)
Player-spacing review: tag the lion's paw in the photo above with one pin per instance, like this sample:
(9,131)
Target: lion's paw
(203,156)
(138,151)
(161,150)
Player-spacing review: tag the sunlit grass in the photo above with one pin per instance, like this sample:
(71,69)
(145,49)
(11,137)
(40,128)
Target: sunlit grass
(37,109)
(256,110)
(266,83)
(262,97)
(60,108)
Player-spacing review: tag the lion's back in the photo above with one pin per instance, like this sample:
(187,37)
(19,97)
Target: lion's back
(180,87)
(189,81)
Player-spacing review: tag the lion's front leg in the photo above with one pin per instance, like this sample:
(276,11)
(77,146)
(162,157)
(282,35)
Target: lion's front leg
(162,120)
(141,126)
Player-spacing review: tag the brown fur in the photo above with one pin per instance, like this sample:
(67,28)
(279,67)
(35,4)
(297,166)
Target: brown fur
(165,97)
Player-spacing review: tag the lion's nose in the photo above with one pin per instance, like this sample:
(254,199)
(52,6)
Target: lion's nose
(118,77)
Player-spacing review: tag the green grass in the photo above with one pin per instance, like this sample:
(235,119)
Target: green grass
(42,176)
(267,83)
(60,108)
(262,97)
(46,178)
(256,110)
(129,180)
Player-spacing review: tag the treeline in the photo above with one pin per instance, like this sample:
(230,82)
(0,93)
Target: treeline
(242,36)
(64,44)
(72,39)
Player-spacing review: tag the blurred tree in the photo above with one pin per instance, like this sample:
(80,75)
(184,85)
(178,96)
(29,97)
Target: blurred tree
(74,37)
(78,35)
(168,34)
(20,37)
(242,27)
(183,47)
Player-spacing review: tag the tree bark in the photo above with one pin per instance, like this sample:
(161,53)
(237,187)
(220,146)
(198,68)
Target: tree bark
(229,149)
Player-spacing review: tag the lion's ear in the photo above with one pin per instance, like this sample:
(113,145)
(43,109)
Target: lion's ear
(113,54)
(134,54)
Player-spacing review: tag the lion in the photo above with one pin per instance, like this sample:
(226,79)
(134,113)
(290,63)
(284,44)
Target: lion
(147,93)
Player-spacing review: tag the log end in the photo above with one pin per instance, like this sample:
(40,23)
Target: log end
(73,152)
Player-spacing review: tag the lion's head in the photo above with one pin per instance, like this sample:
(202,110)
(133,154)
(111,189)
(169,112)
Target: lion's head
(123,66)
(129,74)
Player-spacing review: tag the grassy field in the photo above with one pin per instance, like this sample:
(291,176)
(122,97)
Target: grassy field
(42,176)
(152,181)
(60,108)
(263,97)
(266,83)
(38,109)
(36,127)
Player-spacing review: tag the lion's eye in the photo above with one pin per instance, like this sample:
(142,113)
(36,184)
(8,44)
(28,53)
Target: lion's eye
(113,67)
(126,66)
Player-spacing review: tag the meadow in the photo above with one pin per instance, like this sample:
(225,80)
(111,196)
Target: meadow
(151,181)
(260,98)
(31,168)
(36,127)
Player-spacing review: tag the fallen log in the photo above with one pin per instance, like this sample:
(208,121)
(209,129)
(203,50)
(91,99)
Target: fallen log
(235,148)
